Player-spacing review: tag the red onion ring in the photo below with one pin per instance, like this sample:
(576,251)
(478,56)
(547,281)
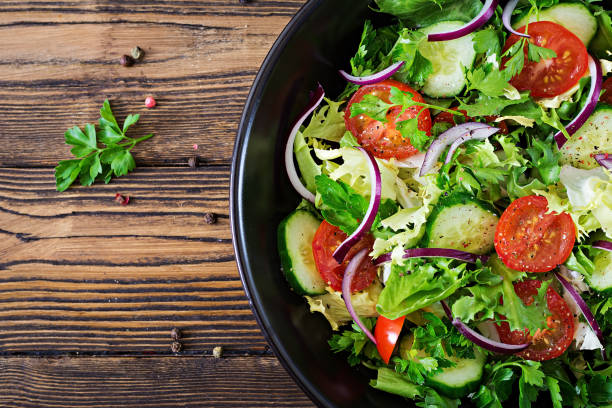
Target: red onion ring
(434,253)
(507,15)
(370,215)
(589,107)
(605,245)
(604,160)
(479,339)
(444,139)
(476,134)
(584,308)
(485,14)
(374,78)
(349,274)
(316,98)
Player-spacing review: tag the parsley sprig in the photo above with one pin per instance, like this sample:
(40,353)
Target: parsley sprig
(99,154)
(377,109)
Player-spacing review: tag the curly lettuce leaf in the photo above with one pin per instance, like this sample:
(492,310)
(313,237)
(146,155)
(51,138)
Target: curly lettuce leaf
(420,283)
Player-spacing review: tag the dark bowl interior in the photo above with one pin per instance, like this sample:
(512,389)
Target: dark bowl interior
(321,38)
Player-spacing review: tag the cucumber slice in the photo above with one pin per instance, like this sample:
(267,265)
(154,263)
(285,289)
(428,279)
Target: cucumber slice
(449,60)
(295,235)
(601,278)
(595,136)
(602,43)
(462,222)
(454,382)
(576,17)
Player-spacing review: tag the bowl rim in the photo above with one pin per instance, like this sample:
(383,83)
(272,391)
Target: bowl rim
(252,103)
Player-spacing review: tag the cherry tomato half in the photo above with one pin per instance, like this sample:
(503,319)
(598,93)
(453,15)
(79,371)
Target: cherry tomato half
(447,117)
(550,77)
(326,240)
(386,333)
(548,343)
(529,239)
(383,140)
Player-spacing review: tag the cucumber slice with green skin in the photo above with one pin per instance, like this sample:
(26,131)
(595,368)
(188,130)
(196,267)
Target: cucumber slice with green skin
(595,136)
(462,222)
(454,382)
(601,278)
(449,60)
(602,43)
(576,17)
(295,235)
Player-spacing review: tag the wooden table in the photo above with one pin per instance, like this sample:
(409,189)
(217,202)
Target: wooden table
(90,290)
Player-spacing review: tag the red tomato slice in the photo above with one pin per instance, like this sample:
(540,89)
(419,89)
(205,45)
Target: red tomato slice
(551,77)
(326,240)
(607,95)
(529,239)
(386,333)
(548,343)
(383,140)
(447,117)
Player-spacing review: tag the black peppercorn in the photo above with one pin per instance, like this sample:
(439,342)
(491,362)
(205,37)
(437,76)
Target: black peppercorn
(210,218)
(176,346)
(176,333)
(126,61)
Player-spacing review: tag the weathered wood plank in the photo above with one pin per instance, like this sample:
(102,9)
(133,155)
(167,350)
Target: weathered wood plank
(59,61)
(147,382)
(78,272)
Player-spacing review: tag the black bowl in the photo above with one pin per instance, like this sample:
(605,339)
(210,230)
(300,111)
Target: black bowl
(319,39)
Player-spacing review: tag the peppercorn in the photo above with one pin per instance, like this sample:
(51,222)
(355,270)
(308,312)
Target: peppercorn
(193,162)
(210,218)
(126,61)
(150,102)
(121,199)
(176,334)
(176,346)
(137,53)
(218,352)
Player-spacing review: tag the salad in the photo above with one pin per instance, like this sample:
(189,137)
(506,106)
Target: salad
(456,222)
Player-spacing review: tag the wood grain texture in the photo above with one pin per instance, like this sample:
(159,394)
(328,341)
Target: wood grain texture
(147,382)
(59,61)
(78,272)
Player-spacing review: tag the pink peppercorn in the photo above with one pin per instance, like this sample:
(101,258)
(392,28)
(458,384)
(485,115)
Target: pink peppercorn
(150,102)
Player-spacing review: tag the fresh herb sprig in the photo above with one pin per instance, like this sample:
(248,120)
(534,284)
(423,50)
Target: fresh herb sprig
(99,154)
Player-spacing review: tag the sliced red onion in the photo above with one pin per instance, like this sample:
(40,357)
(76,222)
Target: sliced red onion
(370,215)
(584,308)
(434,253)
(316,98)
(604,160)
(476,134)
(485,14)
(589,106)
(437,146)
(349,273)
(507,15)
(605,245)
(374,78)
(479,339)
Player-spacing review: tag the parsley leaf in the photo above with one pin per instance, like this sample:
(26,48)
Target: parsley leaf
(93,161)
(418,138)
(487,42)
(514,64)
(535,53)
(355,342)
(372,106)
(492,83)
(486,105)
